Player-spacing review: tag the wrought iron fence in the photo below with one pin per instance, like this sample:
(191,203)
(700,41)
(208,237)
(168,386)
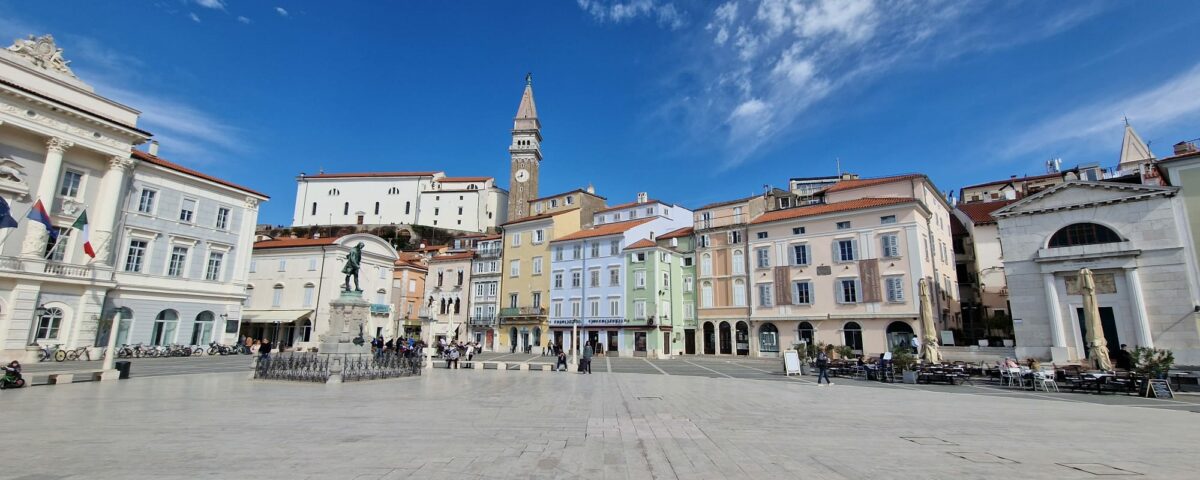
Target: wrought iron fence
(318,367)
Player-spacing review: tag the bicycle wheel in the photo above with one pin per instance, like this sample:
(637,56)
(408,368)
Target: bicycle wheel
(20,382)
(43,356)
(60,355)
(72,355)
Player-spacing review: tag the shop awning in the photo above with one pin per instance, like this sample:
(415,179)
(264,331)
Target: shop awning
(272,316)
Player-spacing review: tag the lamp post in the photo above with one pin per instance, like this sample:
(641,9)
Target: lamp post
(574,341)
(110,353)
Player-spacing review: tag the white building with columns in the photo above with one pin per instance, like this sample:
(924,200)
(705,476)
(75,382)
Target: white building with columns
(70,148)
(1132,237)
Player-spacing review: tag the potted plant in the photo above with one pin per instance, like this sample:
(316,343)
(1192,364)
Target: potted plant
(903,359)
(845,352)
(1153,362)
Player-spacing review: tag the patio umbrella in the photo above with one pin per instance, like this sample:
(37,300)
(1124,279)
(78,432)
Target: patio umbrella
(1098,353)
(930,351)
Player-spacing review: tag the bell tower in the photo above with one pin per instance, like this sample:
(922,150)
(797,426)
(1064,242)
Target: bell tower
(526,153)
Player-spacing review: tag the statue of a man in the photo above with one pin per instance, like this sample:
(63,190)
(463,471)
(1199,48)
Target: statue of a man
(353,262)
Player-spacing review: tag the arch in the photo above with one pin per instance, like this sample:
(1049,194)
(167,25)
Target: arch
(50,323)
(1084,233)
(456,305)
(741,338)
(537,335)
(346,208)
(725,339)
(165,325)
(739,293)
(512,338)
(334,192)
(304,333)
(768,338)
(394,191)
(314,208)
(277,295)
(710,339)
(852,336)
(806,333)
(202,328)
(899,334)
(739,261)
(706,264)
(706,294)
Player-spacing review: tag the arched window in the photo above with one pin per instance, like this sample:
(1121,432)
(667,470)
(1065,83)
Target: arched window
(706,295)
(456,305)
(49,324)
(804,333)
(377,208)
(164,328)
(314,209)
(768,338)
(739,262)
(334,192)
(739,293)
(899,334)
(277,296)
(1083,234)
(346,208)
(472,187)
(394,191)
(202,329)
(381,296)
(852,336)
(706,264)
(407,207)
(309,289)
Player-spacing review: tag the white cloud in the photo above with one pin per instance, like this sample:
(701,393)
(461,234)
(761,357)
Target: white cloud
(1089,127)
(213,4)
(617,11)
(243,19)
(281,11)
(185,131)
(194,17)
(770,61)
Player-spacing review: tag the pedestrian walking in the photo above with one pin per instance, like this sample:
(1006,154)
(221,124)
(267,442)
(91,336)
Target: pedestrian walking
(823,368)
(585,364)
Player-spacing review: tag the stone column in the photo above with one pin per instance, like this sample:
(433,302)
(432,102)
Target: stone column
(35,235)
(1058,350)
(108,203)
(1142,321)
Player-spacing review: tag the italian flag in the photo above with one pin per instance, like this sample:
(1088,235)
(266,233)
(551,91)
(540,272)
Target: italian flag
(81,224)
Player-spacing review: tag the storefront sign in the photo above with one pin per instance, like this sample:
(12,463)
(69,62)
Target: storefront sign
(588,322)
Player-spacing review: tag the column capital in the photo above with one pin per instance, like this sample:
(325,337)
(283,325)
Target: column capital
(251,203)
(119,162)
(58,145)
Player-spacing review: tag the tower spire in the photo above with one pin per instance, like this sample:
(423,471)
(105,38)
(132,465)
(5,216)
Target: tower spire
(527,118)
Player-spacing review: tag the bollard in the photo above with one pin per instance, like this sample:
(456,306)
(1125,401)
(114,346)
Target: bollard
(524,367)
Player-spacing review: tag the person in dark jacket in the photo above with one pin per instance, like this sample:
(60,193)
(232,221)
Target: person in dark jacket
(823,368)
(562,361)
(585,364)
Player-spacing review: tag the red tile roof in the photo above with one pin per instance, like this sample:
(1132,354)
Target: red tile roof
(821,209)
(451,256)
(604,230)
(683,232)
(643,243)
(870,182)
(981,212)
(627,205)
(463,179)
(294,242)
(539,217)
(371,175)
(146,157)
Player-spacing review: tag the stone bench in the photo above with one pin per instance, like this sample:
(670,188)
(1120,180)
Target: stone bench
(64,378)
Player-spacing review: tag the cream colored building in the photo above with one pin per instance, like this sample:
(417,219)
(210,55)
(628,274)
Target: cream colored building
(845,271)
(525,281)
(446,303)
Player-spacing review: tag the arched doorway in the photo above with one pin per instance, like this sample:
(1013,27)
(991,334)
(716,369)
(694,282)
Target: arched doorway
(768,339)
(202,329)
(805,333)
(852,336)
(899,334)
(512,339)
(124,318)
(743,338)
(726,339)
(710,339)
(164,328)
(537,336)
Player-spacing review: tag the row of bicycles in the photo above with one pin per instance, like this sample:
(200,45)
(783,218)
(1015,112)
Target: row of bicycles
(59,354)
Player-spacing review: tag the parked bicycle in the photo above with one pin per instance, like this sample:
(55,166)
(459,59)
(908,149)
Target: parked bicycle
(84,353)
(56,352)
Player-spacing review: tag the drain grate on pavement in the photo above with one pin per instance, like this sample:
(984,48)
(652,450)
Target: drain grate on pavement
(647,397)
(928,441)
(981,457)
(1099,469)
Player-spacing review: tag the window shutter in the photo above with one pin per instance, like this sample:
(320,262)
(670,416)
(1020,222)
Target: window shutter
(837,253)
(792,255)
(858,291)
(854,248)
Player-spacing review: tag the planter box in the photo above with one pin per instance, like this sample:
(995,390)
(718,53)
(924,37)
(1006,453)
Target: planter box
(1009,342)
(910,377)
(983,343)
(805,369)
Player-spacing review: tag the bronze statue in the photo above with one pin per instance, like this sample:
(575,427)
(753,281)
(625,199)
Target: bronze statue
(353,263)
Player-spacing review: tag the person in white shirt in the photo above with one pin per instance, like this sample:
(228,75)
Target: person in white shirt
(470,351)
(916,345)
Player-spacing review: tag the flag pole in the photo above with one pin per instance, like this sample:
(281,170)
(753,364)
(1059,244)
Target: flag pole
(9,234)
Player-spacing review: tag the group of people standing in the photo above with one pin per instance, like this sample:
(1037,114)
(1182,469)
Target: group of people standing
(403,346)
(453,350)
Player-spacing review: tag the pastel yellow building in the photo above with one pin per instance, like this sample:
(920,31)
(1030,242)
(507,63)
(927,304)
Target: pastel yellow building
(526,277)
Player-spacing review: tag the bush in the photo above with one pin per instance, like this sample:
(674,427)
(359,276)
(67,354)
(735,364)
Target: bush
(1152,362)
(903,357)
(845,351)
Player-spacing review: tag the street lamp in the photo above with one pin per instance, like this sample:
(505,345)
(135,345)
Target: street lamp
(38,313)
(574,341)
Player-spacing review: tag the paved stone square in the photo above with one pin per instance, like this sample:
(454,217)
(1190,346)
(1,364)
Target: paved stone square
(489,424)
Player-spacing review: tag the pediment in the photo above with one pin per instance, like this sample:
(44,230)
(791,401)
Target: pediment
(1082,194)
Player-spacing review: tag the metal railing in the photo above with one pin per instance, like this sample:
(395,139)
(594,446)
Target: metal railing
(482,319)
(318,367)
(522,311)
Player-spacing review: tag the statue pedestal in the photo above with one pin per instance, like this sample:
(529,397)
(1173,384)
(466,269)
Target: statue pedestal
(347,315)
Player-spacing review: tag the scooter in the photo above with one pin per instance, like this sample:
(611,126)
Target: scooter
(11,380)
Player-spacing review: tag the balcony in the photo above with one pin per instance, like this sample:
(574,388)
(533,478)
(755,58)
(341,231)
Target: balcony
(523,312)
(380,309)
(488,253)
(482,320)
(39,266)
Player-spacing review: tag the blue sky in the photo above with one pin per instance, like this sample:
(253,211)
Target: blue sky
(691,101)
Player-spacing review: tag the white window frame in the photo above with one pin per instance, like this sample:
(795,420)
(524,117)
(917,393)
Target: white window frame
(762,257)
(796,258)
(838,254)
(840,295)
(889,245)
(516,239)
(78,185)
(739,293)
(222,223)
(183,261)
(537,265)
(147,206)
(808,290)
(514,268)
(191,213)
(766,294)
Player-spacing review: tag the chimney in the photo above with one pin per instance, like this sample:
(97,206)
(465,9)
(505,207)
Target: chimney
(642,197)
(154,147)
(590,189)
(1183,148)
(848,176)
